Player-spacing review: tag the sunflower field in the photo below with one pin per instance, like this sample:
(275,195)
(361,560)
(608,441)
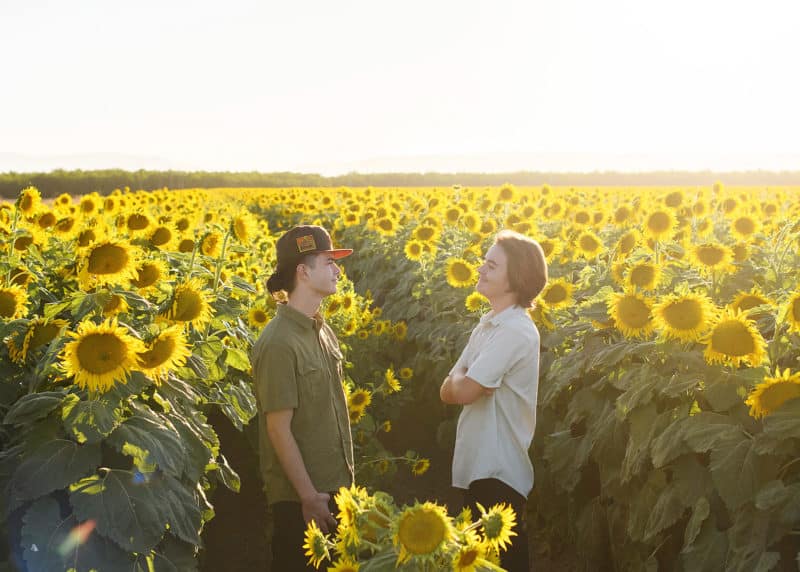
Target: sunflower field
(668,433)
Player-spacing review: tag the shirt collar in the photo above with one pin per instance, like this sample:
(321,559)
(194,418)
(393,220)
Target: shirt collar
(503,317)
(299,318)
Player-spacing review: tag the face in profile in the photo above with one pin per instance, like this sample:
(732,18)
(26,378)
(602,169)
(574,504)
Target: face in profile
(493,274)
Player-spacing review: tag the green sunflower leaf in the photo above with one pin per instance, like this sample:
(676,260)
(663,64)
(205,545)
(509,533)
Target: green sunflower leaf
(33,406)
(52,466)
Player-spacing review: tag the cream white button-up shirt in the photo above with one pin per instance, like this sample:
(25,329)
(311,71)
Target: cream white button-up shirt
(495,431)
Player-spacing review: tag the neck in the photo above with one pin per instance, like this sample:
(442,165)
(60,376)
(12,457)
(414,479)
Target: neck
(304,302)
(502,302)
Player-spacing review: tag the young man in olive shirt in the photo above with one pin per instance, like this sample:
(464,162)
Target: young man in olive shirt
(306,448)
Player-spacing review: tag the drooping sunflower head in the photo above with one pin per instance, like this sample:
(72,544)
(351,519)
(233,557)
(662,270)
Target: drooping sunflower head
(190,304)
(460,273)
(632,313)
(734,340)
(471,555)
(167,351)
(13,302)
(39,334)
(769,395)
(420,532)
(243,227)
(211,244)
(627,242)
(29,201)
(110,262)
(101,355)
(315,544)
(684,316)
(791,313)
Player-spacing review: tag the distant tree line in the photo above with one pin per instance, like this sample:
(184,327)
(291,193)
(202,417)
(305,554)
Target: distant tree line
(80,182)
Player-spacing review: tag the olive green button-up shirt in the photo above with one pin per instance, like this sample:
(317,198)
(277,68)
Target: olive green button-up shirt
(297,365)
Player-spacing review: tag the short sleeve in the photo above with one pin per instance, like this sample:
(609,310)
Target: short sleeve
(275,378)
(501,352)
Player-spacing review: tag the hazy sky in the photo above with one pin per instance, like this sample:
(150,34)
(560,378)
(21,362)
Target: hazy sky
(331,85)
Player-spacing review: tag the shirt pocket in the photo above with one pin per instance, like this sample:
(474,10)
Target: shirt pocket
(311,383)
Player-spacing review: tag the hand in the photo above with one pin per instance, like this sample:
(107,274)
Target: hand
(316,508)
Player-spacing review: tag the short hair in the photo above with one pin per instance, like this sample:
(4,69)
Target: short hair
(527,265)
(285,277)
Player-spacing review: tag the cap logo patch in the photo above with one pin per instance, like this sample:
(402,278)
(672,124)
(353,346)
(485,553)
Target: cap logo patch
(306,243)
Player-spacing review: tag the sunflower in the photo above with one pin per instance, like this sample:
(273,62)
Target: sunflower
(13,302)
(359,399)
(420,466)
(745,301)
(744,227)
(792,312)
(137,222)
(110,262)
(190,304)
(622,216)
(497,524)
(385,226)
(257,317)
(162,237)
(551,248)
(711,256)
(243,227)
(660,224)
(770,395)
(29,201)
(46,220)
(627,242)
(391,381)
(684,315)
(460,273)
(406,373)
(420,531)
(644,276)
(315,544)
(167,351)
(632,313)
(507,193)
(211,244)
(734,340)
(426,233)
(149,274)
(588,245)
(471,221)
(475,302)
(40,332)
(557,293)
(116,305)
(101,355)
(400,330)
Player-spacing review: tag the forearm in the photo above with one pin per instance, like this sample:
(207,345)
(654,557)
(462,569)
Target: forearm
(291,461)
(459,389)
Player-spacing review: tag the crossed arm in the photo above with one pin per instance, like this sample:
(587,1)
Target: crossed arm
(460,389)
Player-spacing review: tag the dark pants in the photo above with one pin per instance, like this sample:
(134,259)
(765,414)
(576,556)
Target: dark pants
(490,492)
(288,532)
